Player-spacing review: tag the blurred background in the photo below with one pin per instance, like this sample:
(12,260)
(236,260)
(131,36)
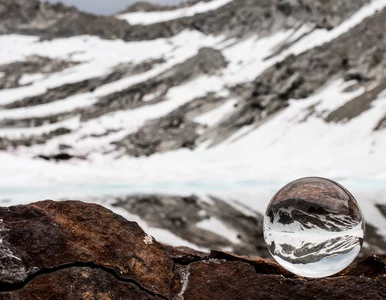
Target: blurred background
(187,116)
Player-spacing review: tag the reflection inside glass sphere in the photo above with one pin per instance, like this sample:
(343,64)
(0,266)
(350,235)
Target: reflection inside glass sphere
(313,227)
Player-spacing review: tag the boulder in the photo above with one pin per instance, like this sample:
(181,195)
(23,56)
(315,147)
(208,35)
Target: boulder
(74,250)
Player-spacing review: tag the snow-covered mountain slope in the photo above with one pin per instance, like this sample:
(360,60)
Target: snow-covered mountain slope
(275,98)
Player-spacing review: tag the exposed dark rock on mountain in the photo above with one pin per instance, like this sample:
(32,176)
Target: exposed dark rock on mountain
(180,215)
(59,157)
(88,85)
(33,64)
(6,144)
(174,131)
(356,55)
(381,124)
(236,18)
(356,106)
(100,255)
(382,209)
(297,77)
(36,121)
(207,61)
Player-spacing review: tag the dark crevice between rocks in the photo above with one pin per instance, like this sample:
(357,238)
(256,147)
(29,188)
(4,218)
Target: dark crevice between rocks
(10,287)
(185,256)
(262,266)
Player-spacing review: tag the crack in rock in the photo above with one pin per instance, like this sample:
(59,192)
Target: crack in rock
(9,287)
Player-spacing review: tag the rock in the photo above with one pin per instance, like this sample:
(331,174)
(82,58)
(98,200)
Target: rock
(174,132)
(58,157)
(13,72)
(356,106)
(45,236)
(239,280)
(74,250)
(183,215)
(6,143)
(237,18)
(358,54)
(84,86)
(206,61)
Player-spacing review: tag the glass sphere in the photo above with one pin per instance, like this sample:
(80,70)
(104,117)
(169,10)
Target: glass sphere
(313,227)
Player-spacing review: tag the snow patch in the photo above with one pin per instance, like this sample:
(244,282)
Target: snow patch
(216,115)
(218,227)
(146,18)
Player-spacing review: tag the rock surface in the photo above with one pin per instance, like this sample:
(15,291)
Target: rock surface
(73,250)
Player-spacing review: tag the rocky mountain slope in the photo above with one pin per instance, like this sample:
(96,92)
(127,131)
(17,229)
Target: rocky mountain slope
(218,69)
(219,91)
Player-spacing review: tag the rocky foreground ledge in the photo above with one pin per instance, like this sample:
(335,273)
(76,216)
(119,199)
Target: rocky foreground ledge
(74,250)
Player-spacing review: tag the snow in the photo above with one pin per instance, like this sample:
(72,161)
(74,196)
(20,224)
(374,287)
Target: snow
(218,227)
(161,235)
(146,18)
(216,115)
(249,167)
(320,36)
(98,57)
(30,78)
(303,30)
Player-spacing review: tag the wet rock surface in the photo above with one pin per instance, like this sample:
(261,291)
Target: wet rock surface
(73,250)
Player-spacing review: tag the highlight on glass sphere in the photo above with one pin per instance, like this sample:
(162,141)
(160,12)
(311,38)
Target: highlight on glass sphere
(313,227)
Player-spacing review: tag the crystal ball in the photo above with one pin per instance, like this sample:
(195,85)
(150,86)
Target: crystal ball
(314,227)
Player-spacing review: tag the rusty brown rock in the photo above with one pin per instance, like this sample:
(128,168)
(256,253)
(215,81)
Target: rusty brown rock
(47,235)
(78,283)
(238,280)
(261,265)
(372,267)
(73,250)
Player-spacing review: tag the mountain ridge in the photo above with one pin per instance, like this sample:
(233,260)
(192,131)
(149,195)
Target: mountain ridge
(206,86)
